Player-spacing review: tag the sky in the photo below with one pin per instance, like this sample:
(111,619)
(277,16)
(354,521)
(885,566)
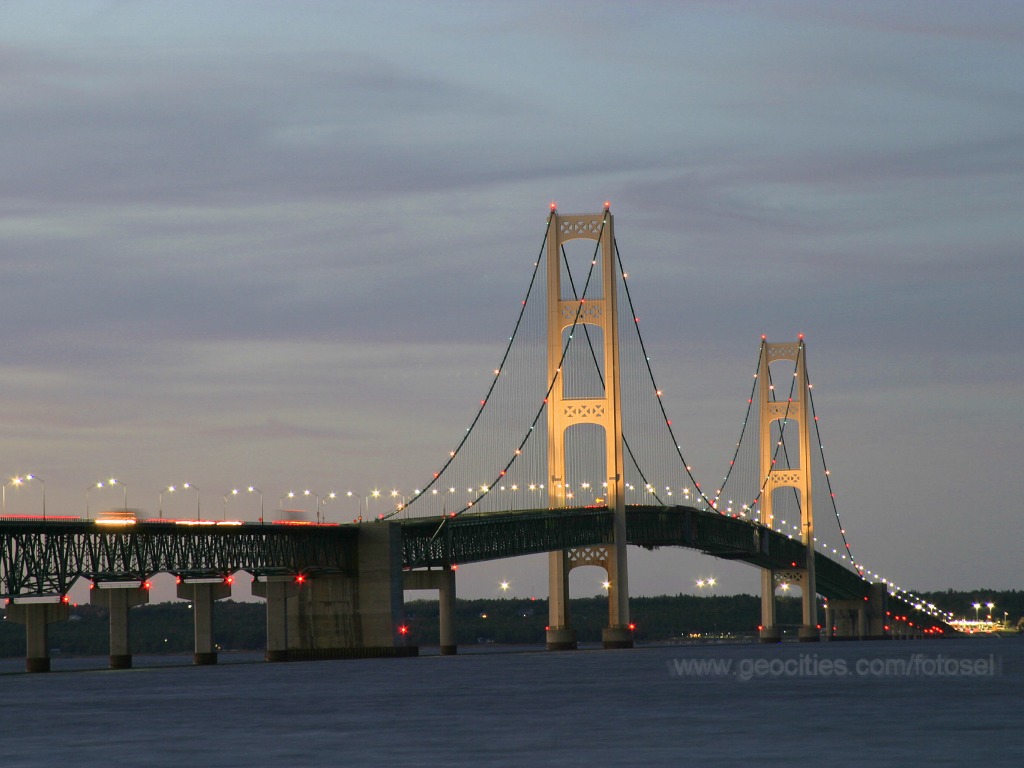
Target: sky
(284,244)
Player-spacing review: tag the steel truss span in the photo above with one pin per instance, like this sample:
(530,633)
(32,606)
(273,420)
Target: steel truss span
(46,558)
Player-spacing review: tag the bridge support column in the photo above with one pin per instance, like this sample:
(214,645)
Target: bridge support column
(878,605)
(618,633)
(344,615)
(770,632)
(118,598)
(276,590)
(444,582)
(560,635)
(202,593)
(37,617)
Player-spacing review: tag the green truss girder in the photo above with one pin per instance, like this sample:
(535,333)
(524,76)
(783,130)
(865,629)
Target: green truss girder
(48,557)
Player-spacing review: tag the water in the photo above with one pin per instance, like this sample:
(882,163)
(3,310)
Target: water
(502,707)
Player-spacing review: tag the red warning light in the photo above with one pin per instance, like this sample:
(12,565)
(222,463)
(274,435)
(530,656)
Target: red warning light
(607,204)
(632,627)
(300,579)
(404,630)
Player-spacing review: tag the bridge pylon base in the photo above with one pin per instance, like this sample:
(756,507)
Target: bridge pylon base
(617,637)
(808,634)
(770,635)
(561,639)
(120,661)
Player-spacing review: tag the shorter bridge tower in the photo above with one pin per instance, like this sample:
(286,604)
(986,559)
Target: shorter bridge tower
(797,409)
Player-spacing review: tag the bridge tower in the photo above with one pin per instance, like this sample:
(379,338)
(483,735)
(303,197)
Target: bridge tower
(565,412)
(797,409)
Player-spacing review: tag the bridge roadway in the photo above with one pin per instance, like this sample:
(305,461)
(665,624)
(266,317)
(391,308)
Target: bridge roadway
(46,558)
(474,537)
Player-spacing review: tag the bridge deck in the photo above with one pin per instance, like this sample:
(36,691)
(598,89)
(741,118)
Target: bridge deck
(48,557)
(474,537)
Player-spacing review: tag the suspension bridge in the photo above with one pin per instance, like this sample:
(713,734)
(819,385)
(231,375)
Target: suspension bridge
(571,453)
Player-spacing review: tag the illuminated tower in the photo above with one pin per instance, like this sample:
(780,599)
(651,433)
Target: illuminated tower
(797,410)
(605,410)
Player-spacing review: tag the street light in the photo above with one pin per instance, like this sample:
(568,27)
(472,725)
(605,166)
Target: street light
(17,482)
(252,489)
(990,605)
(105,484)
(234,492)
(329,497)
(361,498)
(172,489)
(160,504)
(308,492)
(400,501)
(976,606)
(192,487)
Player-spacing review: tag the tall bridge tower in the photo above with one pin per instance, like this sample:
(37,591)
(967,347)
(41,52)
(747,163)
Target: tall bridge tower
(797,409)
(565,412)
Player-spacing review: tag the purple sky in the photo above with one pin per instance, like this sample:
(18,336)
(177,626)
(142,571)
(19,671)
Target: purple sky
(284,244)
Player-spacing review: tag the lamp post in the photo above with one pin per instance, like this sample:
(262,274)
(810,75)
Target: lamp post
(192,487)
(101,484)
(976,606)
(160,504)
(399,500)
(172,489)
(989,605)
(17,482)
(329,497)
(308,492)
(253,489)
(234,492)
(361,498)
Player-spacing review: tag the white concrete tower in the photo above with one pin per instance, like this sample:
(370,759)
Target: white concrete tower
(796,410)
(604,410)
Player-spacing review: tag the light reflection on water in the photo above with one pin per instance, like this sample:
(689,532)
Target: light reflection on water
(501,706)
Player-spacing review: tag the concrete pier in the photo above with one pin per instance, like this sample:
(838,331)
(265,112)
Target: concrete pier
(444,582)
(37,613)
(118,597)
(341,615)
(276,590)
(202,593)
(560,634)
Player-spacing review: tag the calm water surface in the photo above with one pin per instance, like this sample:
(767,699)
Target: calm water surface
(947,703)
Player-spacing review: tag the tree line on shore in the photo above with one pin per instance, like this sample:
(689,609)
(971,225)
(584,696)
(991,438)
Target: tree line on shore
(241,626)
